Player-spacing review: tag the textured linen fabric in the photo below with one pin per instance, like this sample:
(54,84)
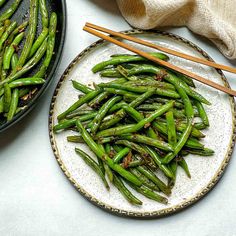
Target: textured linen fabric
(214,19)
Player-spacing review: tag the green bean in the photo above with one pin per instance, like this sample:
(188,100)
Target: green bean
(98,99)
(38,42)
(148,141)
(10,11)
(88,160)
(125,192)
(11,50)
(44,13)
(78,113)
(137,89)
(134,147)
(2,29)
(136,163)
(145,181)
(184,166)
(13,105)
(111,73)
(173,168)
(2,2)
(121,92)
(7,97)
(121,154)
(6,34)
(81,87)
(171,78)
(105,166)
(150,175)
(149,194)
(202,113)
(88,97)
(150,83)
(14,60)
(181,126)
(139,125)
(64,124)
(117,106)
(75,139)
(16,31)
(124,59)
(199,125)
(119,115)
(102,112)
(203,152)
(26,82)
(29,65)
(181,142)
(157,159)
(101,154)
(30,35)
(186,79)
(177,104)
(133,113)
(50,45)
(1,104)
(172,139)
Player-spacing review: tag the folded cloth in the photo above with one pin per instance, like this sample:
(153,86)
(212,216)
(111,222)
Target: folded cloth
(214,19)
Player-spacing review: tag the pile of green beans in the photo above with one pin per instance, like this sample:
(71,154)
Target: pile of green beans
(147,119)
(21,50)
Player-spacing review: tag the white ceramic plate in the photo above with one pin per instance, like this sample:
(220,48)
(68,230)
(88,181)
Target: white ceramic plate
(205,171)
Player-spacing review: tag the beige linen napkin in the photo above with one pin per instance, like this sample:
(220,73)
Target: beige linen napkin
(214,19)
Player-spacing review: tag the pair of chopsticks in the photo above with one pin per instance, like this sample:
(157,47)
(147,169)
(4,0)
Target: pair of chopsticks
(93,29)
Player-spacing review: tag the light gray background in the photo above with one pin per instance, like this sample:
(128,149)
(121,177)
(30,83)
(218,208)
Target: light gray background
(37,199)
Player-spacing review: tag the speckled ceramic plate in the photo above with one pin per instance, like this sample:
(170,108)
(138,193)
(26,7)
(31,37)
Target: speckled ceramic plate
(205,171)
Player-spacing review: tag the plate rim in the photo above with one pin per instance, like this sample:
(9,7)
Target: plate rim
(42,90)
(128,213)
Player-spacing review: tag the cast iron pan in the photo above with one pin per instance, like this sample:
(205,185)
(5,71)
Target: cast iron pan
(58,6)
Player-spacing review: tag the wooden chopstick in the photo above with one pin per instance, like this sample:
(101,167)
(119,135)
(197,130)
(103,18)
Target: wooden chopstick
(167,50)
(160,62)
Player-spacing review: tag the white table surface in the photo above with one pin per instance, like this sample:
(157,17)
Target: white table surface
(37,199)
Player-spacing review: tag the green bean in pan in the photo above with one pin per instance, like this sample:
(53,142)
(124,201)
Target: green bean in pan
(102,155)
(125,59)
(13,105)
(29,65)
(33,18)
(26,82)
(1,104)
(38,42)
(10,11)
(50,45)
(10,51)
(7,97)
(14,61)
(2,2)
(88,160)
(44,13)
(117,181)
(6,34)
